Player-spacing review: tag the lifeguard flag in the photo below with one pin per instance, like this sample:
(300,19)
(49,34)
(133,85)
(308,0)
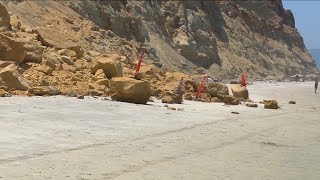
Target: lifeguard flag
(243,80)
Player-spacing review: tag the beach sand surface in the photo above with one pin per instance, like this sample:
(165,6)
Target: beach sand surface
(68,138)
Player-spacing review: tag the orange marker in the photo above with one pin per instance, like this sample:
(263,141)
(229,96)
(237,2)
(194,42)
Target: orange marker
(139,62)
(200,86)
(243,80)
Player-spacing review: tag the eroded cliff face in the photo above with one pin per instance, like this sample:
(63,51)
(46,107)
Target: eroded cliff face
(221,38)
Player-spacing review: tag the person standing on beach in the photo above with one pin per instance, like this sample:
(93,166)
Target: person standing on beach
(316,83)
(180,87)
(297,78)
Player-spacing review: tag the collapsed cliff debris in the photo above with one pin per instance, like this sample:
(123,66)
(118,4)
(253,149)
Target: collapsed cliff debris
(83,47)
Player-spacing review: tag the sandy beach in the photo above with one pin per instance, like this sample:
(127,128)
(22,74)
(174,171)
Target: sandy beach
(68,138)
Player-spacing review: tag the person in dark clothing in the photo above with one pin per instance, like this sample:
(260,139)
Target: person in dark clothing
(297,78)
(180,87)
(316,83)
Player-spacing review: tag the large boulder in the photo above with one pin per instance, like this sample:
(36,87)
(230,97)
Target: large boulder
(230,100)
(34,51)
(4,17)
(217,89)
(109,64)
(240,91)
(11,49)
(172,98)
(12,79)
(130,90)
(55,38)
(52,60)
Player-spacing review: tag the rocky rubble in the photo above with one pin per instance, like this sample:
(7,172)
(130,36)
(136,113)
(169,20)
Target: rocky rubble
(91,48)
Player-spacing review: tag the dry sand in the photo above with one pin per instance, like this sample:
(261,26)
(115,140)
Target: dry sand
(68,138)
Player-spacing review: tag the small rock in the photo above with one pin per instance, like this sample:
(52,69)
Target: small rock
(234,112)
(72,94)
(80,97)
(100,74)
(67,60)
(69,68)
(270,104)
(188,96)
(252,105)
(44,83)
(171,108)
(104,82)
(45,69)
(138,76)
(166,105)
(5,95)
(151,99)
(234,82)
(292,102)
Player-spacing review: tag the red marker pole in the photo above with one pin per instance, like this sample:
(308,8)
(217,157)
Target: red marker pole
(243,80)
(200,86)
(139,62)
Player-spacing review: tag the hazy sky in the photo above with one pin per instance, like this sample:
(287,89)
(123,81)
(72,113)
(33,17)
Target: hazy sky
(307,16)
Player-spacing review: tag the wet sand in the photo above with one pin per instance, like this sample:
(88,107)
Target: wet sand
(68,138)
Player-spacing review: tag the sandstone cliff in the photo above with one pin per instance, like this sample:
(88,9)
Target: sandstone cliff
(220,38)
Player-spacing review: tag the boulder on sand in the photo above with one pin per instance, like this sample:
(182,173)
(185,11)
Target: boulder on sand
(12,79)
(172,98)
(240,91)
(109,64)
(270,104)
(45,90)
(230,100)
(130,90)
(217,89)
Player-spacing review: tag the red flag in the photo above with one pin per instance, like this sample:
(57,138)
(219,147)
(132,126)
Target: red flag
(139,62)
(200,86)
(243,80)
